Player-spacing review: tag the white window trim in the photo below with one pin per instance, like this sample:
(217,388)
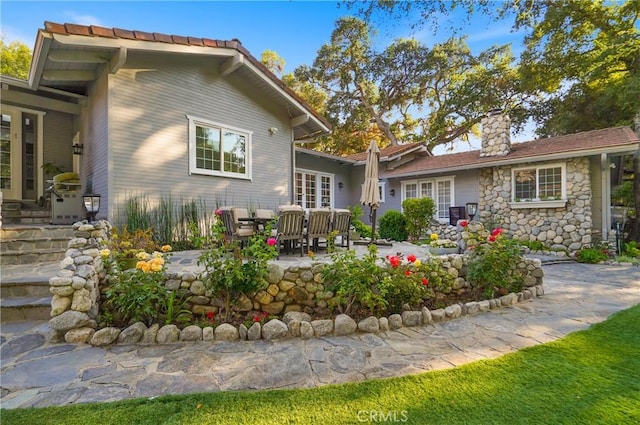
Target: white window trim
(382,190)
(537,202)
(434,184)
(193,169)
(319,176)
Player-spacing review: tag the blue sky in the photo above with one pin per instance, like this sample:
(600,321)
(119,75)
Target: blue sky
(294,29)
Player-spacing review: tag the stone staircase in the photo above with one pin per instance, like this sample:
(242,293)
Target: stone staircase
(29,256)
(24,213)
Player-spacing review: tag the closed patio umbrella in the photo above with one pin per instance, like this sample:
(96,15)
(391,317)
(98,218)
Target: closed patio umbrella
(370,192)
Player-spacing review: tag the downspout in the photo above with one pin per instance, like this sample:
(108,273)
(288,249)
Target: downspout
(293,168)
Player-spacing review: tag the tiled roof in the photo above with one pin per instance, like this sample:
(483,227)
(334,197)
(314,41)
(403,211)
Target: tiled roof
(386,152)
(578,144)
(117,33)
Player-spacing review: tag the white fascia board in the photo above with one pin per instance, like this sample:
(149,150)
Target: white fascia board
(40,51)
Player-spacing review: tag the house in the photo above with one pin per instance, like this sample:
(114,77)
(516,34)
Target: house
(555,190)
(154,114)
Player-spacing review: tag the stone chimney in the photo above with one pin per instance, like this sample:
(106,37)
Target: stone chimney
(496,139)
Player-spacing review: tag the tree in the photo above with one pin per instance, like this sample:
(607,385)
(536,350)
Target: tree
(15,59)
(408,92)
(273,61)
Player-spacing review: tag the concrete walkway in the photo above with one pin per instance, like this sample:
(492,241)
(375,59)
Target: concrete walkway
(37,373)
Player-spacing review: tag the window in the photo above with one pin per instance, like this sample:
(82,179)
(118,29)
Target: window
(539,183)
(440,190)
(218,150)
(381,190)
(313,189)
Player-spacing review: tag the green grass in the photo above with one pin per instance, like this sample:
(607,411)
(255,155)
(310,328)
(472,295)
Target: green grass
(589,377)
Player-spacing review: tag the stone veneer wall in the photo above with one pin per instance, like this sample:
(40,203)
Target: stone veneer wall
(295,293)
(568,227)
(496,138)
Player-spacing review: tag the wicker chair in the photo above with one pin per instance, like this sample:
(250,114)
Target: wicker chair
(319,226)
(290,228)
(234,230)
(342,224)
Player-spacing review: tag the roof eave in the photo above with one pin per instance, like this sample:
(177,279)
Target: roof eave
(623,149)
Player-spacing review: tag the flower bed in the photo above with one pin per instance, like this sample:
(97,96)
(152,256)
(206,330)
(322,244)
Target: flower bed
(304,293)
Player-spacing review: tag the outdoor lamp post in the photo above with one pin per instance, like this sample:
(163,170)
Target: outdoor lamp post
(472,209)
(91,203)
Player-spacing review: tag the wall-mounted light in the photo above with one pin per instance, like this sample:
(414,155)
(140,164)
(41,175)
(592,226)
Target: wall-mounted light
(472,209)
(340,185)
(91,203)
(77,149)
(392,192)
(273,130)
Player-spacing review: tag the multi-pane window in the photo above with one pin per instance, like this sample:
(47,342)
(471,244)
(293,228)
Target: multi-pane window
(440,190)
(538,183)
(218,150)
(5,152)
(313,189)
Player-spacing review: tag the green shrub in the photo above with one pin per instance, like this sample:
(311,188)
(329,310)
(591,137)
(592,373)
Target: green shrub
(363,229)
(393,226)
(493,264)
(631,249)
(418,212)
(592,255)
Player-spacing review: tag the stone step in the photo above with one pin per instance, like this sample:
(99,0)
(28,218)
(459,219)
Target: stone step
(33,245)
(24,287)
(18,309)
(32,257)
(35,232)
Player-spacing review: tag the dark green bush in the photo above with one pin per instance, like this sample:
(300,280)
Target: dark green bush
(393,226)
(592,255)
(363,229)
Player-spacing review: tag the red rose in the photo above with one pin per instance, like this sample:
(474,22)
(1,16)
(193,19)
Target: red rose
(464,223)
(425,281)
(395,261)
(407,273)
(496,231)
(492,238)
(411,258)
(210,315)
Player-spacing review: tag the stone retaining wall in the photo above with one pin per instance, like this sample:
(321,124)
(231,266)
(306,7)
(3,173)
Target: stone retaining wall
(295,293)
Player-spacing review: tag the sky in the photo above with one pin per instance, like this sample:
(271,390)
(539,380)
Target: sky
(295,29)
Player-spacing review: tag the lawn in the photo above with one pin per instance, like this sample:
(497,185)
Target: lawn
(589,377)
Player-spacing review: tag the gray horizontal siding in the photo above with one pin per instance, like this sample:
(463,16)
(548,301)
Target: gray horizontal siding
(148,132)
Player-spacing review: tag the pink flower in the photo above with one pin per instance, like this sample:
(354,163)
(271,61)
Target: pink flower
(464,223)
(219,212)
(425,281)
(395,261)
(271,241)
(411,258)
(492,238)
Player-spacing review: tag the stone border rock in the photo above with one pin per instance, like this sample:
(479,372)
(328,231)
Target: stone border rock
(294,324)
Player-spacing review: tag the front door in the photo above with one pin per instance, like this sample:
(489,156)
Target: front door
(19,159)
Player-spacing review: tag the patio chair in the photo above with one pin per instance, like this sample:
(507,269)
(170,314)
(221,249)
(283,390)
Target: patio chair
(319,226)
(290,228)
(262,217)
(342,224)
(233,229)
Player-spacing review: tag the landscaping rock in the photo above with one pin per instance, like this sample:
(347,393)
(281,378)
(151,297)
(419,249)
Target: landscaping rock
(426,316)
(197,287)
(191,333)
(104,336)
(296,315)
(81,300)
(226,332)
(149,335)
(395,321)
(472,307)
(383,322)
(62,291)
(484,305)
(168,334)
(69,320)
(274,329)
(411,318)
(294,328)
(369,325)
(60,304)
(275,273)
(132,334)
(344,325)
(322,327)
(285,285)
(207,334)
(508,299)
(306,330)
(79,335)
(243,331)
(255,332)
(453,311)
(275,307)
(437,315)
